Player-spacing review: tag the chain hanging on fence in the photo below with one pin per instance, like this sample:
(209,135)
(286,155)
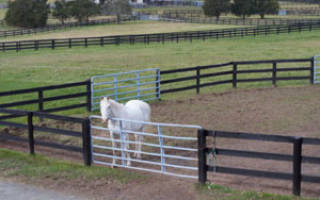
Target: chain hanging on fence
(212,155)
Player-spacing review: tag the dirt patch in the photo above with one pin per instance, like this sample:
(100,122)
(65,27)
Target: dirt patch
(285,111)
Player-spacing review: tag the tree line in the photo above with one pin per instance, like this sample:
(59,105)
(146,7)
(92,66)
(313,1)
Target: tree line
(242,8)
(35,13)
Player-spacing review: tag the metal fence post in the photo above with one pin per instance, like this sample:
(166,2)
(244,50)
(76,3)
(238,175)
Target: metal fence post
(86,142)
(163,161)
(30,132)
(202,157)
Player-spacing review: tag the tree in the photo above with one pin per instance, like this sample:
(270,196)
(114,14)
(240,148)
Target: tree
(62,10)
(117,7)
(263,7)
(243,8)
(27,13)
(83,9)
(216,7)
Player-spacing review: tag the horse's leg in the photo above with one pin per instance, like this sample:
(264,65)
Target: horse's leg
(114,145)
(139,139)
(126,147)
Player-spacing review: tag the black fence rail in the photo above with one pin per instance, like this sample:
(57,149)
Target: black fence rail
(41,99)
(53,27)
(147,38)
(235,21)
(31,127)
(228,73)
(296,158)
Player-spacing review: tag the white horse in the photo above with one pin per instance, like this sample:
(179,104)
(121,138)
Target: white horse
(132,110)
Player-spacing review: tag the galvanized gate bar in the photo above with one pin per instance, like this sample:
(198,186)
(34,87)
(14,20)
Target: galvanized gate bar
(158,163)
(124,86)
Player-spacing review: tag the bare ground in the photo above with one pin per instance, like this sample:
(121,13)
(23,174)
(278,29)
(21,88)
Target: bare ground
(285,111)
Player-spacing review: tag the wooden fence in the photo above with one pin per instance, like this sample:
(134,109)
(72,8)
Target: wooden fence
(296,158)
(41,99)
(160,37)
(233,69)
(53,27)
(31,127)
(234,21)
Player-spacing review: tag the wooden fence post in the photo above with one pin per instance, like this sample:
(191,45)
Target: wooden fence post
(30,133)
(234,76)
(312,66)
(274,74)
(296,180)
(86,142)
(202,158)
(88,97)
(158,84)
(198,80)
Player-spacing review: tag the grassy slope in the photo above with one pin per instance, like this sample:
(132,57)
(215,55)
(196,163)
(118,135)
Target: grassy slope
(126,28)
(27,69)
(45,67)
(14,164)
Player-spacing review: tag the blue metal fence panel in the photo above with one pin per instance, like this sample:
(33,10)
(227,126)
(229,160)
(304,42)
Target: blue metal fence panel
(140,84)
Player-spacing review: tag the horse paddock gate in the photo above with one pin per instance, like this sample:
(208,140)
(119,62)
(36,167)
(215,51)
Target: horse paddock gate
(169,149)
(140,84)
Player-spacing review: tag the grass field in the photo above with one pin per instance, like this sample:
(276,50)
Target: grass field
(126,28)
(27,69)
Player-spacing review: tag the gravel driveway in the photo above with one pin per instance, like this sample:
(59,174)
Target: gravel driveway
(15,191)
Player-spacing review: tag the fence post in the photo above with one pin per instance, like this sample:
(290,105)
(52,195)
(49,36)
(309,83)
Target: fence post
(274,74)
(30,133)
(312,70)
(202,165)
(52,44)
(198,80)
(296,181)
(234,76)
(89,93)
(158,84)
(86,142)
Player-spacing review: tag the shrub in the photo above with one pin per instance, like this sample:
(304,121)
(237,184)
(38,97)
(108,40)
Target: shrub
(27,13)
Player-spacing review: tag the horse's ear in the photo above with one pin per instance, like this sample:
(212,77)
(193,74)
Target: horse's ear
(101,98)
(108,98)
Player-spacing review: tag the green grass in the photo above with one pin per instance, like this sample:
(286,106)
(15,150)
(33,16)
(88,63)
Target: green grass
(216,192)
(16,164)
(31,68)
(126,28)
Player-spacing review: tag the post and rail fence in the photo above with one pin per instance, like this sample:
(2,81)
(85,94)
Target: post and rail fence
(155,37)
(297,159)
(31,127)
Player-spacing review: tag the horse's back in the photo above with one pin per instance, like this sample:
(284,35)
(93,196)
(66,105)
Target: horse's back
(138,110)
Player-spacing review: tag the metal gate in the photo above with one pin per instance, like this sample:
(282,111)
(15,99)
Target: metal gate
(141,84)
(169,149)
(316,70)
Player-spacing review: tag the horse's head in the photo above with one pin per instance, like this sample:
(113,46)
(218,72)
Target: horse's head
(105,109)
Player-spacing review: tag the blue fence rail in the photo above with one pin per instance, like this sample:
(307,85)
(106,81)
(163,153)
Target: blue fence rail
(140,84)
